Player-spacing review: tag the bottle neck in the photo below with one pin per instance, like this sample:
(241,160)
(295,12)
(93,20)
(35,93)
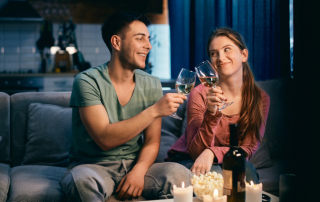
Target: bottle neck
(234,133)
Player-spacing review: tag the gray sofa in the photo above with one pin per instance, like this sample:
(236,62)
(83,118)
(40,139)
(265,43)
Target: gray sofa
(35,139)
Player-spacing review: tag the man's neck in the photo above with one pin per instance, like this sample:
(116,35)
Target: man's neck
(118,74)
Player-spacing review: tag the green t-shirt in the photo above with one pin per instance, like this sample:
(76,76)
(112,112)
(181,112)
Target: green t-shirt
(94,87)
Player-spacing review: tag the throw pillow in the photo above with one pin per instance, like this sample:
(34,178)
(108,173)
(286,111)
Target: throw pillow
(261,159)
(48,135)
(167,140)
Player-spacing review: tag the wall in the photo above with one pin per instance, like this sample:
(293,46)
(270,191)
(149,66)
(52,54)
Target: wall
(18,52)
(17,47)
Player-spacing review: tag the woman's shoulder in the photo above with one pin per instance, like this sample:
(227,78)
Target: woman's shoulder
(198,90)
(264,96)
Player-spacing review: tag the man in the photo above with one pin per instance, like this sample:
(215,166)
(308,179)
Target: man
(114,104)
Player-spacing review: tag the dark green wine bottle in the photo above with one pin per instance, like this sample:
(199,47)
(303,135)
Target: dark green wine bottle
(234,169)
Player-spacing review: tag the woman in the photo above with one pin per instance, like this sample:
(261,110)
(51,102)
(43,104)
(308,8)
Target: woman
(207,135)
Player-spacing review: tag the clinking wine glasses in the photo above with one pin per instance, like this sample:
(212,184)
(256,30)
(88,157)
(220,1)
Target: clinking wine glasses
(184,85)
(209,77)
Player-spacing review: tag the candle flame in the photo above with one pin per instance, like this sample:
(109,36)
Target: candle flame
(182,184)
(215,193)
(251,183)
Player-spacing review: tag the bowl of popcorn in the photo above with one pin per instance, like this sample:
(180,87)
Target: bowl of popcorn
(206,184)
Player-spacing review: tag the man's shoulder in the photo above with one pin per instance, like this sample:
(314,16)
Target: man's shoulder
(146,78)
(91,73)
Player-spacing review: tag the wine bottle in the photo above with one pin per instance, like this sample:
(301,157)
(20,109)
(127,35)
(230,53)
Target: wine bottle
(234,169)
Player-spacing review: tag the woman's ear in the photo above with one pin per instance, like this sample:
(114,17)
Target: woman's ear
(116,42)
(245,55)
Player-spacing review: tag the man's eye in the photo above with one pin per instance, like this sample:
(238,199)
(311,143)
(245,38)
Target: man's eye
(139,39)
(226,49)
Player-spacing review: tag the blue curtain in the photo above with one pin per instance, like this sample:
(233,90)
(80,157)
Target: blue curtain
(192,21)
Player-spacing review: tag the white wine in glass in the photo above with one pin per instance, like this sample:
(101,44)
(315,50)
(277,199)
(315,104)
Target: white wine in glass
(184,89)
(209,81)
(209,77)
(184,85)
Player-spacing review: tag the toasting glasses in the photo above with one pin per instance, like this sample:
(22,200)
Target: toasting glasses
(209,77)
(184,85)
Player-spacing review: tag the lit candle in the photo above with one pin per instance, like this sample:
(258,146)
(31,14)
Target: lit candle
(182,194)
(216,197)
(253,192)
(207,198)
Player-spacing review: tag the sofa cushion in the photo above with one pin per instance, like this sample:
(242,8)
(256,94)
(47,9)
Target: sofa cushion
(48,135)
(19,104)
(278,133)
(175,126)
(171,129)
(261,159)
(5,128)
(4,181)
(270,177)
(36,183)
(167,140)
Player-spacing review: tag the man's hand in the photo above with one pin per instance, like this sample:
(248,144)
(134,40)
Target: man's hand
(168,104)
(131,185)
(203,163)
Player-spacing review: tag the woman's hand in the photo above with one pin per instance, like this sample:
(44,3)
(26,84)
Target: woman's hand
(203,163)
(214,99)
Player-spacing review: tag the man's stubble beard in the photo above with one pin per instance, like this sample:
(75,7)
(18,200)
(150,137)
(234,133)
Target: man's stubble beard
(125,60)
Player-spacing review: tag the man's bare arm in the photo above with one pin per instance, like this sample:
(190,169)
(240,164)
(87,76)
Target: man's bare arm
(107,136)
(131,185)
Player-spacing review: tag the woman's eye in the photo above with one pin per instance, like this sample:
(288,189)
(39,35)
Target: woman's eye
(213,54)
(226,49)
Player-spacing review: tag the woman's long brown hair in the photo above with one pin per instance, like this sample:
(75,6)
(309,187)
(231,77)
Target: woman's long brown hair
(251,116)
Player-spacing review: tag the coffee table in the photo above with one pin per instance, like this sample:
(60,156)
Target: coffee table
(195,199)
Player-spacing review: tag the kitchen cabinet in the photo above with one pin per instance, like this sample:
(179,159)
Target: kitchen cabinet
(50,82)
(16,83)
(58,84)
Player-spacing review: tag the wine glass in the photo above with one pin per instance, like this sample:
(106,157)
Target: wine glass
(209,77)
(184,85)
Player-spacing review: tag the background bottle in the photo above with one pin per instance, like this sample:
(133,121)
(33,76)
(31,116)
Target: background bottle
(234,169)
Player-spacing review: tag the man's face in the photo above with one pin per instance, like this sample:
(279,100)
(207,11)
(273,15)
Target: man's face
(135,46)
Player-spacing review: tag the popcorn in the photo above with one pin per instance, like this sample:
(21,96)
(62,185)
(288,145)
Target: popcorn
(206,184)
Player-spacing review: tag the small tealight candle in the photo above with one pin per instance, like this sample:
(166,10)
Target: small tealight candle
(216,197)
(207,198)
(182,194)
(253,192)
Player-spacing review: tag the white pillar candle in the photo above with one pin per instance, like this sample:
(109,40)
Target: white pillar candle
(182,194)
(216,197)
(253,192)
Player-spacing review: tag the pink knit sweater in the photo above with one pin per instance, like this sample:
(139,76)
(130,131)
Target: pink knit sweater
(205,130)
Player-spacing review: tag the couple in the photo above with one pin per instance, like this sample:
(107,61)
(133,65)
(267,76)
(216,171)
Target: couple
(115,103)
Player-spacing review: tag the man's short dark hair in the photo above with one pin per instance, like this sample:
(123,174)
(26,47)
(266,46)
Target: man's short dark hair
(117,22)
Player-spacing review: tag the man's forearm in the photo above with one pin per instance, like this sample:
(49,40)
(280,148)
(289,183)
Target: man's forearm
(118,133)
(151,145)
(147,156)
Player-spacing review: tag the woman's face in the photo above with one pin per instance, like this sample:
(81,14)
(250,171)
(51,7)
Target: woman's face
(227,57)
